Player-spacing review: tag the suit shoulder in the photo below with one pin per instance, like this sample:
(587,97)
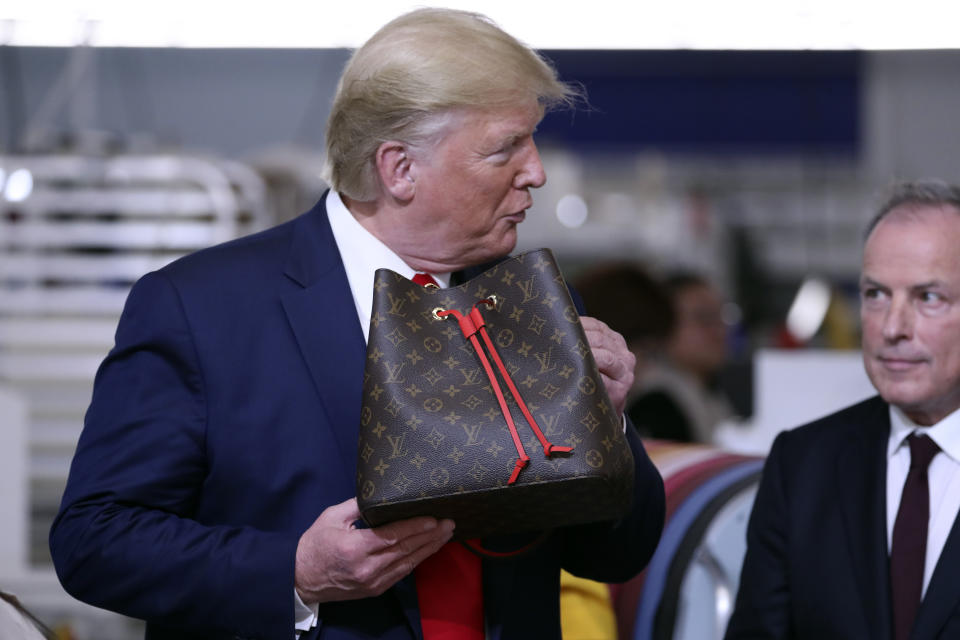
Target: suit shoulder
(838,426)
(235,256)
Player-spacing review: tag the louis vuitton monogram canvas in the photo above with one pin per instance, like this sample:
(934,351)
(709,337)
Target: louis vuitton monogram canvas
(433,437)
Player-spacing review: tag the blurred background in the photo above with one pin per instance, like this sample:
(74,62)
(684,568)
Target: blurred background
(746,145)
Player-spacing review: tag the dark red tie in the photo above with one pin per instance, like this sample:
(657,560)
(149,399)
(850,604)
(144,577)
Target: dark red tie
(450,582)
(908,552)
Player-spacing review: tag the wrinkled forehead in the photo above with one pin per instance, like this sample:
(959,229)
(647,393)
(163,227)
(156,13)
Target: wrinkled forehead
(492,124)
(920,240)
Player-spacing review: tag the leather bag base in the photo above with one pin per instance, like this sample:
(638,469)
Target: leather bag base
(516,509)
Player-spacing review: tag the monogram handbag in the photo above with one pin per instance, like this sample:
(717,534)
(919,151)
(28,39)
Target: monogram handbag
(482,403)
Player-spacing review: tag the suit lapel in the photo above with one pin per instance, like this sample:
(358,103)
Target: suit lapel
(861,482)
(323,318)
(943,592)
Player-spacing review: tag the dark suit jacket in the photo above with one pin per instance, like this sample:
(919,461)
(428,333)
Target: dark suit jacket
(817,565)
(225,420)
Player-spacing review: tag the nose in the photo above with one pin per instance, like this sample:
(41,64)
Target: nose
(531,173)
(898,321)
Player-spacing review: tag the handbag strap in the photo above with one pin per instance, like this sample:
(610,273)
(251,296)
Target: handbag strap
(470,325)
(476,546)
(548,447)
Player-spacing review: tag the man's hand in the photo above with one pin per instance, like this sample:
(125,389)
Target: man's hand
(615,361)
(336,561)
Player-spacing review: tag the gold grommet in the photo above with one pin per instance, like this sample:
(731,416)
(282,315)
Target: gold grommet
(495,299)
(436,313)
(431,285)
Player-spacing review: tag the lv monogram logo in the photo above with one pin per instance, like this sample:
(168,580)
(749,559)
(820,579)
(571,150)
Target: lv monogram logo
(473,434)
(526,287)
(470,377)
(393,373)
(549,424)
(396,305)
(545,359)
(397,449)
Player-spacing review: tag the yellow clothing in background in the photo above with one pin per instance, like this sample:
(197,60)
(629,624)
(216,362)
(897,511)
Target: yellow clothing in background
(586,612)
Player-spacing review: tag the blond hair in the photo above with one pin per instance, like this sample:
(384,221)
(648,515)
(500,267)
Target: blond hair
(406,79)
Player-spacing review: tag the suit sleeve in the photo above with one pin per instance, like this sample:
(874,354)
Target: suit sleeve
(763,608)
(125,538)
(617,551)
(657,415)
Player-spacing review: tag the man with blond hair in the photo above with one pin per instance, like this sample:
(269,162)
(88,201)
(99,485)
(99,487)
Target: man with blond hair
(212,492)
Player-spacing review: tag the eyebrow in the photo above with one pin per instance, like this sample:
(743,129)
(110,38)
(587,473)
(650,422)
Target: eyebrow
(867,281)
(506,140)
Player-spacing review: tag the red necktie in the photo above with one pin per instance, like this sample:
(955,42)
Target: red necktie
(908,552)
(423,279)
(450,582)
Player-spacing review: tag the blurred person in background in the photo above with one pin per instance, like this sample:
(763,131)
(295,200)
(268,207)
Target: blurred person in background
(855,530)
(635,305)
(212,490)
(678,396)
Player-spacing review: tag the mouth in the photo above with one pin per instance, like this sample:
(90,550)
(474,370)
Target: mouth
(516,218)
(897,364)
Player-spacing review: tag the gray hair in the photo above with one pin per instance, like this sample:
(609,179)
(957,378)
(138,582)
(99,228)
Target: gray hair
(406,80)
(927,192)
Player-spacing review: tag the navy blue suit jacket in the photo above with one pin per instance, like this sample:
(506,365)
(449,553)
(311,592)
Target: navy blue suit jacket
(817,565)
(225,420)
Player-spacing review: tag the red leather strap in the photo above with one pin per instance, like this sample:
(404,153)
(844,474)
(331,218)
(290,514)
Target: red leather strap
(523,459)
(469,329)
(548,447)
(472,324)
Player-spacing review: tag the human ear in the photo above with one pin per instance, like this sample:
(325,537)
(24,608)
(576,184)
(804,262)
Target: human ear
(395,169)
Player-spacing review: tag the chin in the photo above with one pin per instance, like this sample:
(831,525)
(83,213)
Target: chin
(491,246)
(503,245)
(906,399)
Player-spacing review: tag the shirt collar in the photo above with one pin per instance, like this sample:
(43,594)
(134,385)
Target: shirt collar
(945,433)
(363,253)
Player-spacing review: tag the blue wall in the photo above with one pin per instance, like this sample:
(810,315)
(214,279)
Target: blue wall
(805,102)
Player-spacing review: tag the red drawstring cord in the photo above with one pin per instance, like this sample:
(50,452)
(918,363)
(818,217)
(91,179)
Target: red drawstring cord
(470,325)
(470,332)
(548,447)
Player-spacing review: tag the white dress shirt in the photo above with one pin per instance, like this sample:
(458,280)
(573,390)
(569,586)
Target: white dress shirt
(943,475)
(362,255)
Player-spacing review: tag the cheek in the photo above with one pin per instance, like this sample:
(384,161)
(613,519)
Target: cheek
(870,328)
(945,347)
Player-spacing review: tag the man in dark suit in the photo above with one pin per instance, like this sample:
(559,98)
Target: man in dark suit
(854,533)
(212,491)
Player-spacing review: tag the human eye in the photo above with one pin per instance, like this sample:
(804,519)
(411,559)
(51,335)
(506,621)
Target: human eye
(502,153)
(931,300)
(507,146)
(871,293)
